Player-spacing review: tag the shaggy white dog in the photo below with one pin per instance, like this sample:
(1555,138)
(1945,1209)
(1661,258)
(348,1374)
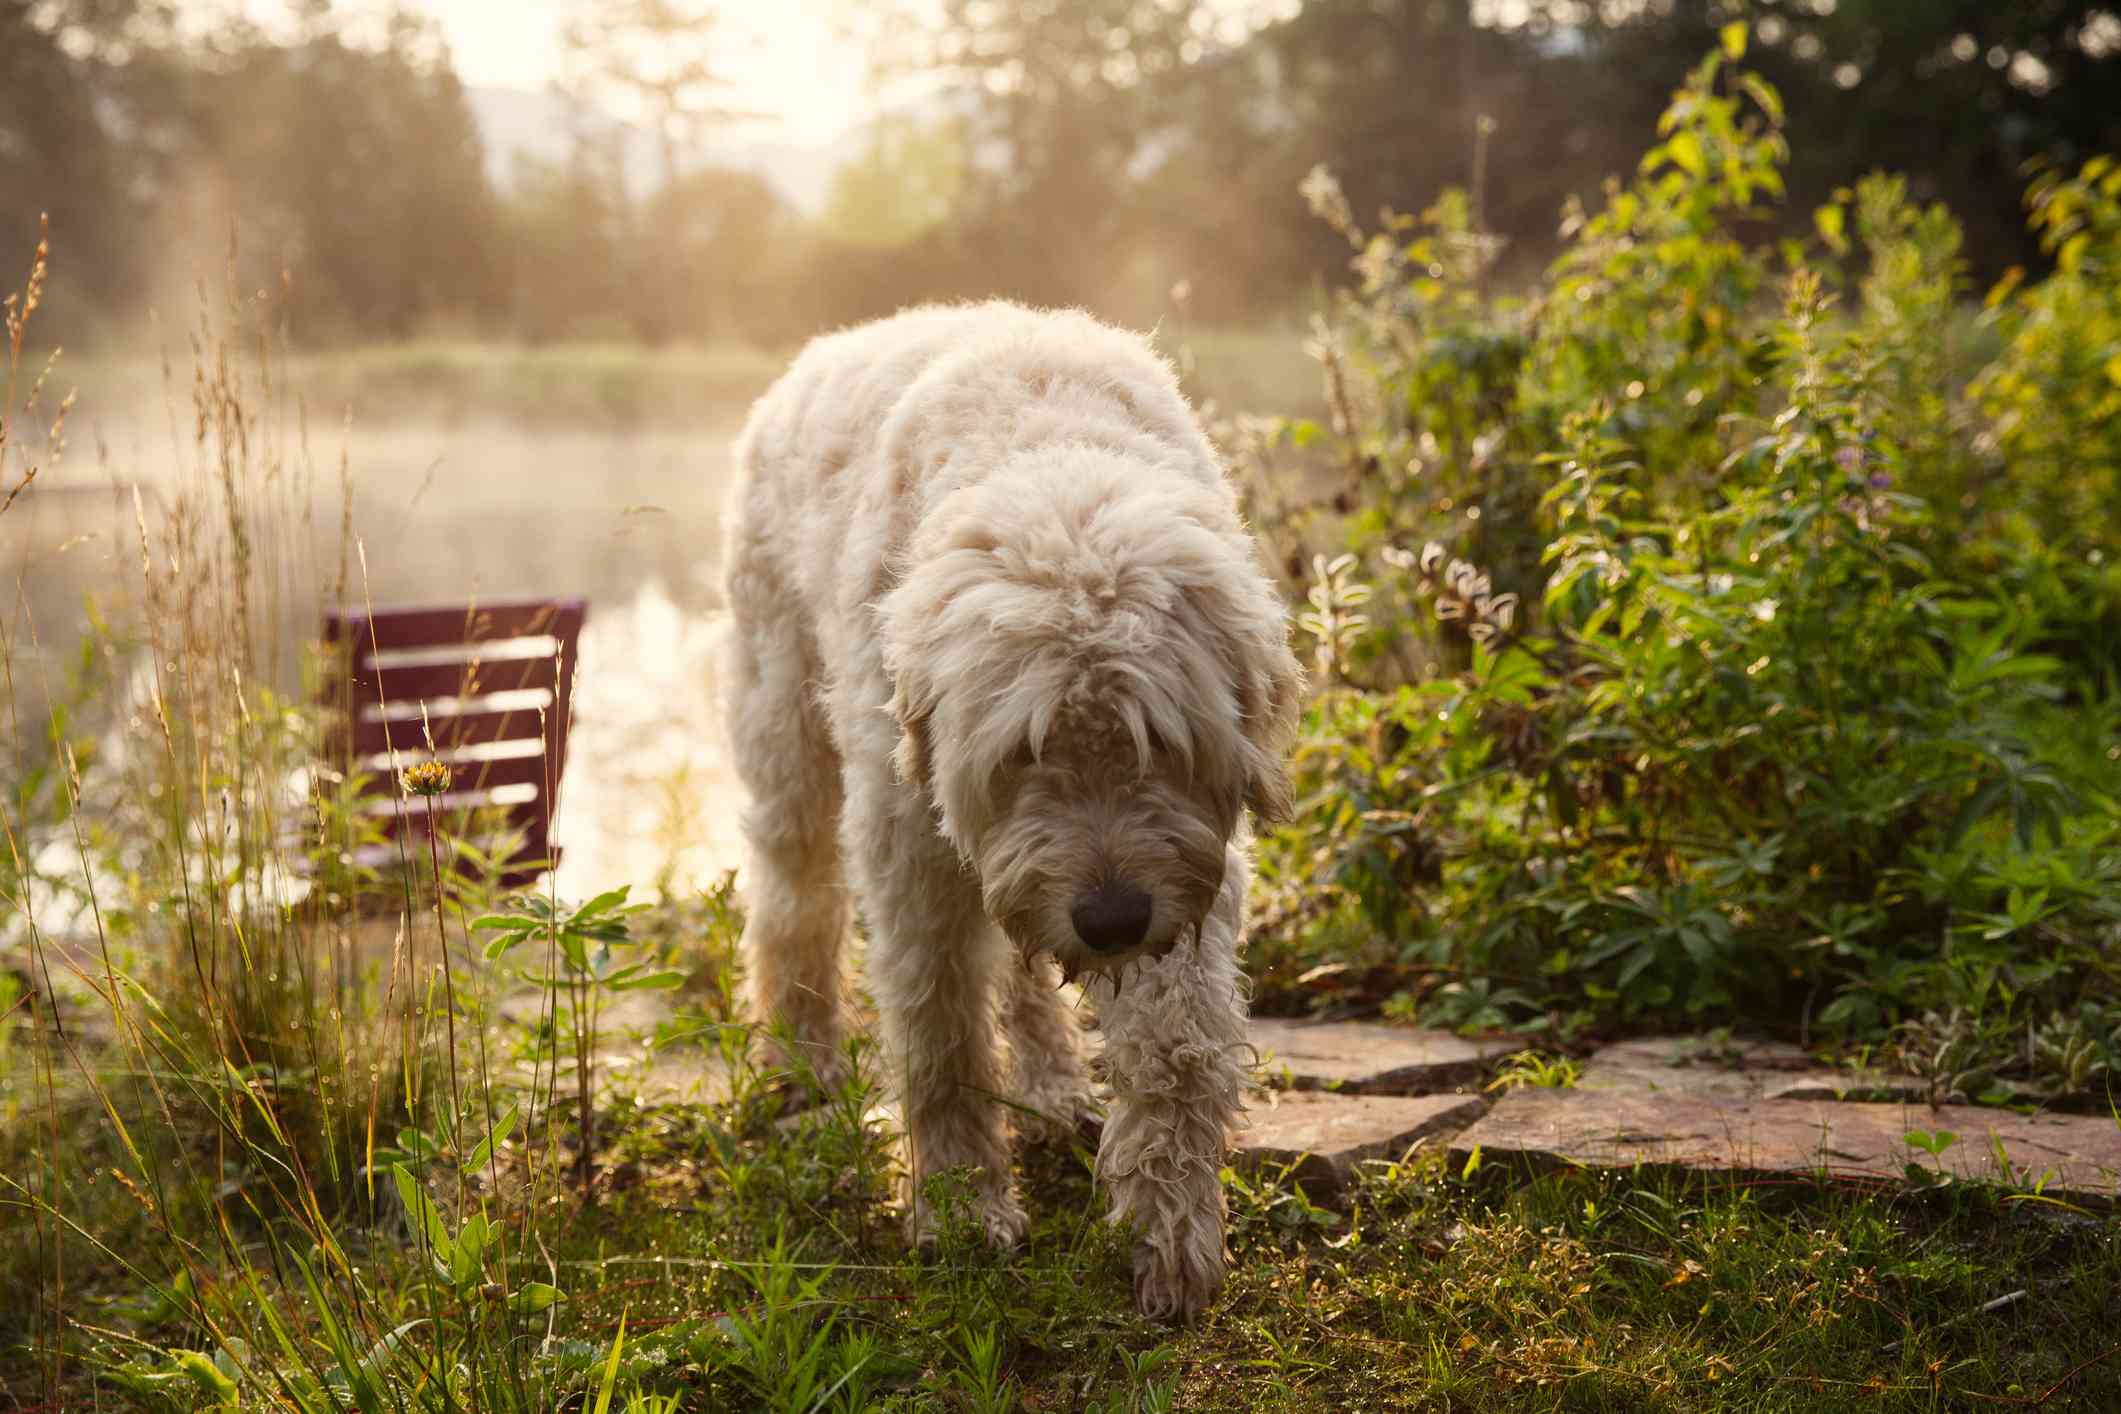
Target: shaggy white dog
(1003,652)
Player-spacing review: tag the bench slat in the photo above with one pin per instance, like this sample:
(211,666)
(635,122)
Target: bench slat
(450,729)
(427,681)
(431,627)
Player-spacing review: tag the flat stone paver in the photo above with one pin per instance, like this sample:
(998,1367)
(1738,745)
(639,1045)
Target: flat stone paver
(1365,1058)
(1691,1066)
(1620,1129)
(1327,1135)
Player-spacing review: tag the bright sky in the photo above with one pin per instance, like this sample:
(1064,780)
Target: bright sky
(787,64)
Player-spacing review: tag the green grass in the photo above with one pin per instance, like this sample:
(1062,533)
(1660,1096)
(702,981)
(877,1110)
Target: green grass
(756,1259)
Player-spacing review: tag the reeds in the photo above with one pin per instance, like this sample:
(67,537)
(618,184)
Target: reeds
(243,1051)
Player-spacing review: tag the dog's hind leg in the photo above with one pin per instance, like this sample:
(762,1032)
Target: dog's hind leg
(1046,1047)
(796,907)
(1176,1060)
(937,968)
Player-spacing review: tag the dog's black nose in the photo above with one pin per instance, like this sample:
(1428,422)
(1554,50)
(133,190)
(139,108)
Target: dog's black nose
(1113,917)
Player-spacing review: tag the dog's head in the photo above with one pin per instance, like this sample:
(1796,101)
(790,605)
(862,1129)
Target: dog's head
(1092,680)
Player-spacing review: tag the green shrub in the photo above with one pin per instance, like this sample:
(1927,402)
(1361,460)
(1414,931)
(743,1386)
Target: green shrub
(1752,665)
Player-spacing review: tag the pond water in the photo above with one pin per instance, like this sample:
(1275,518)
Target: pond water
(476,510)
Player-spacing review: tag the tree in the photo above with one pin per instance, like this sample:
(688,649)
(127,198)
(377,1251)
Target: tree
(908,180)
(725,258)
(1959,94)
(83,111)
(568,228)
(1066,96)
(661,57)
(1956,94)
(357,170)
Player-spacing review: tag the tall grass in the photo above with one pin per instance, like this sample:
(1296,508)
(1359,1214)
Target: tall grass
(251,1062)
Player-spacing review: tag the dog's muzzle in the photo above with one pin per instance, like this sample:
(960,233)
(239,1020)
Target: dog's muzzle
(1113,917)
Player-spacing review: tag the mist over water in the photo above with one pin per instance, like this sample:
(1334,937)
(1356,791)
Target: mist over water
(474,510)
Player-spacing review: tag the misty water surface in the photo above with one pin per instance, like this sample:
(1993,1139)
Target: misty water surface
(481,510)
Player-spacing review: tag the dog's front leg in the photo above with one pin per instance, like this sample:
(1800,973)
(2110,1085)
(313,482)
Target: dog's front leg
(936,967)
(1175,1060)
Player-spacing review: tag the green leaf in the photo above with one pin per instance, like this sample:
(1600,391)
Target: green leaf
(602,903)
(575,949)
(1832,222)
(654,981)
(425,1215)
(378,1357)
(611,1368)
(532,1297)
(1764,94)
(1684,149)
(208,1376)
(502,944)
(1638,963)
(494,1138)
(468,1250)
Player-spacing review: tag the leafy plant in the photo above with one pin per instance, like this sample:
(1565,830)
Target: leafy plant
(582,960)
(1685,659)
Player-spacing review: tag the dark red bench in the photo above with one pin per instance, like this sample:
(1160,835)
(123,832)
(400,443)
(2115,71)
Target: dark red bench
(495,685)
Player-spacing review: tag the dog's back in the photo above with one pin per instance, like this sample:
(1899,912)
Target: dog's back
(907,408)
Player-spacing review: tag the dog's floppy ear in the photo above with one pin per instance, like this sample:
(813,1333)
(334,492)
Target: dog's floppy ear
(913,695)
(912,759)
(1233,606)
(1272,697)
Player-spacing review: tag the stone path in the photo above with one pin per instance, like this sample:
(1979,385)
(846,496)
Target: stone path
(1684,1102)
(1320,1138)
(1342,1093)
(2066,1156)
(1337,1095)
(1362,1058)
(1746,1070)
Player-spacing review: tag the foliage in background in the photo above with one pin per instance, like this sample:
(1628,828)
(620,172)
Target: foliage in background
(1725,654)
(1071,151)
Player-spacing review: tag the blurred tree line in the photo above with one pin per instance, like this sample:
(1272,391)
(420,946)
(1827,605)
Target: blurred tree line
(1100,152)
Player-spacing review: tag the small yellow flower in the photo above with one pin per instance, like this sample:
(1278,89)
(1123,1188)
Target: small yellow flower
(427,778)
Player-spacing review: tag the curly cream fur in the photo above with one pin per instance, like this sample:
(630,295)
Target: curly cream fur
(1000,638)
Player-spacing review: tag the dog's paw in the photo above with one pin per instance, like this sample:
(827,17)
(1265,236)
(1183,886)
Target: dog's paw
(1006,1222)
(1174,1284)
(802,1076)
(1001,1221)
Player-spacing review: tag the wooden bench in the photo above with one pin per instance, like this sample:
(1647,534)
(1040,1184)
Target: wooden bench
(493,684)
